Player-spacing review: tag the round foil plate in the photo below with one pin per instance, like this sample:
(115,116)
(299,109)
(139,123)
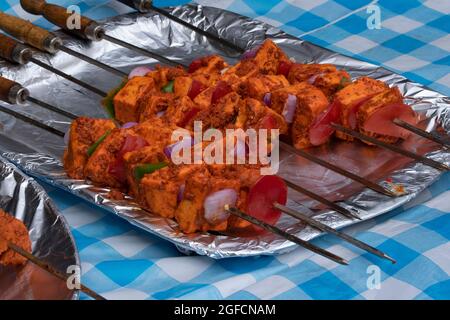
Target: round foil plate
(51,239)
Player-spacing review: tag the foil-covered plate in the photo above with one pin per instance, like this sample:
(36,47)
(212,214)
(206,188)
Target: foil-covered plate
(40,152)
(51,239)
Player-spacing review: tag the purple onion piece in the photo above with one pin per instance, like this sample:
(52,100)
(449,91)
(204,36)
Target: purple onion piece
(215,212)
(129,125)
(67,137)
(313,78)
(161,113)
(139,72)
(180,194)
(268,99)
(289,108)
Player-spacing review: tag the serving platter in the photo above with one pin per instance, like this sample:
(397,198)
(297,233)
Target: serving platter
(39,152)
(50,235)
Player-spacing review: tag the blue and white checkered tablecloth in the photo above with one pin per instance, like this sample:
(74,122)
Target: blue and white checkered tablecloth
(122,262)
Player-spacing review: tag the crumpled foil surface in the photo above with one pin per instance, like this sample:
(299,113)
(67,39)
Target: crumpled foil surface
(39,152)
(51,240)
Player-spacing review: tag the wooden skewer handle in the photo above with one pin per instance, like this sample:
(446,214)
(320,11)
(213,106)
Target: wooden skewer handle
(28,33)
(12,92)
(14,51)
(7,46)
(63,18)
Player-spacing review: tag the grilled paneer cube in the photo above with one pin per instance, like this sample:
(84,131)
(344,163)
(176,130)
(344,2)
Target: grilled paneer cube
(220,115)
(143,156)
(375,116)
(331,82)
(279,97)
(304,72)
(257,87)
(162,190)
(128,99)
(190,212)
(163,75)
(153,104)
(181,112)
(209,65)
(352,96)
(310,103)
(254,114)
(84,132)
(98,165)
(265,61)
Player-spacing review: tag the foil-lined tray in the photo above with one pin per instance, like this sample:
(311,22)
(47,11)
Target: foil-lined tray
(51,240)
(39,152)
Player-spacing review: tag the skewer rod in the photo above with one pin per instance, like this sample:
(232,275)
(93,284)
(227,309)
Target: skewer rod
(374,186)
(89,60)
(69,77)
(324,228)
(288,236)
(427,135)
(149,6)
(47,106)
(32,121)
(328,203)
(391,147)
(45,266)
(141,51)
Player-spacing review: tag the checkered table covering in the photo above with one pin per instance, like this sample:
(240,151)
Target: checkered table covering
(122,262)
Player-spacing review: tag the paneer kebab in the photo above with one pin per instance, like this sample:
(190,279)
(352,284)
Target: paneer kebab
(131,151)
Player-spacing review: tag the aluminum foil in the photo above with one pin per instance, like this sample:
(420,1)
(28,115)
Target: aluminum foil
(51,240)
(39,152)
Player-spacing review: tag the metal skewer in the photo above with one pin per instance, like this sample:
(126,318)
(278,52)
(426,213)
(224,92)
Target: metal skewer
(391,147)
(13,93)
(45,266)
(147,6)
(328,203)
(374,186)
(45,41)
(427,135)
(324,228)
(32,121)
(288,236)
(83,84)
(89,29)
(16,52)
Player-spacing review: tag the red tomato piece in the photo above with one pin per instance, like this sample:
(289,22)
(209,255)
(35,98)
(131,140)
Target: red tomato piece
(221,90)
(284,67)
(188,117)
(196,88)
(261,197)
(268,122)
(117,168)
(195,65)
(354,110)
(320,130)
